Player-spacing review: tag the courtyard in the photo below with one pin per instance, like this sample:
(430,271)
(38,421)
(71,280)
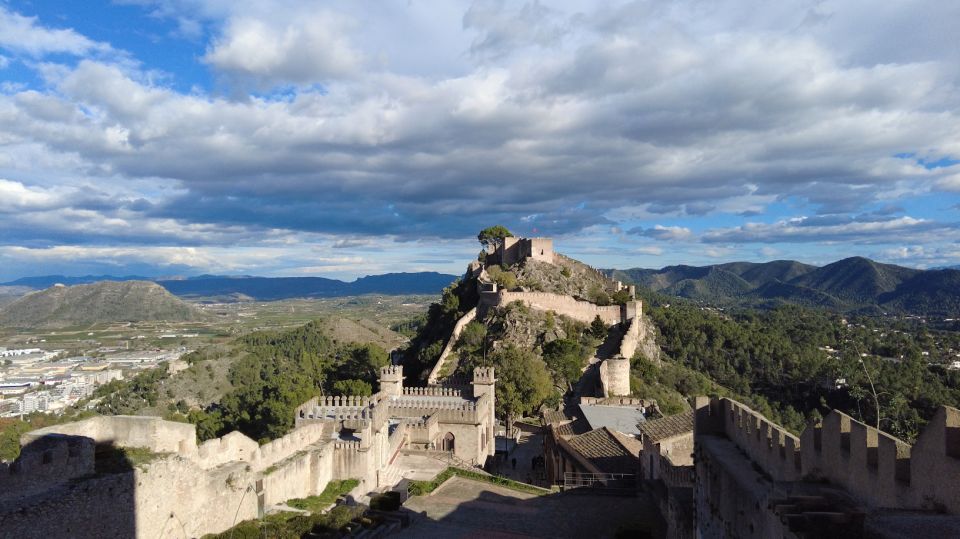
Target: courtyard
(464,508)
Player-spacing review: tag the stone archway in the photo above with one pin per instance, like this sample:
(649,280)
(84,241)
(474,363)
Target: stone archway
(448,442)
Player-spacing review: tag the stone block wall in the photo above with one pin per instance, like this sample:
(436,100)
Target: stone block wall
(51,460)
(766,443)
(583,311)
(448,349)
(615,376)
(152,433)
(881,470)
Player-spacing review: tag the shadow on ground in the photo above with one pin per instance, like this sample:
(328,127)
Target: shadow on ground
(464,508)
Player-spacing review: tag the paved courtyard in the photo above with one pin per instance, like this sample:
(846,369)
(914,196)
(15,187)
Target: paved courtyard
(466,509)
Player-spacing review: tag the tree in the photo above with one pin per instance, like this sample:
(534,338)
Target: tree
(352,388)
(522,381)
(507,280)
(564,358)
(493,236)
(598,328)
(364,363)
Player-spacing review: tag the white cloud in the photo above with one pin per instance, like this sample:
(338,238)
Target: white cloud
(23,35)
(309,46)
(664,233)
(826,229)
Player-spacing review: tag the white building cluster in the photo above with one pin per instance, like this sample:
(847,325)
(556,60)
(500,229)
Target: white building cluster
(33,380)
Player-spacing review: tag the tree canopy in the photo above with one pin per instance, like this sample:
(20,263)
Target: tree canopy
(493,236)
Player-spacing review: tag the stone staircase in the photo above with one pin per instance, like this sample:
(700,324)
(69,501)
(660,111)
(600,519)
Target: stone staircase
(390,476)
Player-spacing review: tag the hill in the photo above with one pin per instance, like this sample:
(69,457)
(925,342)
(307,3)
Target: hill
(268,288)
(107,301)
(851,284)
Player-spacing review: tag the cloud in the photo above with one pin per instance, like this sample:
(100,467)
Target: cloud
(21,34)
(664,233)
(832,228)
(551,120)
(501,31)
(300,47)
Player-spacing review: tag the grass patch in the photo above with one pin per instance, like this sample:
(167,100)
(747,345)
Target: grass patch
(420,488)
(114,459)
(334,490)
(291,525)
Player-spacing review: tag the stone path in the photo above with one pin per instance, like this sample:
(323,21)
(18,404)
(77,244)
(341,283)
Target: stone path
(463,508)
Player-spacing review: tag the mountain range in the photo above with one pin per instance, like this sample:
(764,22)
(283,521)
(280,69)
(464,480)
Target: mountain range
(265,288)
(851,284)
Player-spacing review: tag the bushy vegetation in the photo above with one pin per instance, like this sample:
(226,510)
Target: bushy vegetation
(425,348)
(280,371)
(778,360)
(333,524)
(320,502)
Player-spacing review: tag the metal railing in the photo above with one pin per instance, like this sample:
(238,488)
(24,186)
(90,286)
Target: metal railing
(605,481)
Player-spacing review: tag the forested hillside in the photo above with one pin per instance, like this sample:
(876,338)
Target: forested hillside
(802,362)
(853,284)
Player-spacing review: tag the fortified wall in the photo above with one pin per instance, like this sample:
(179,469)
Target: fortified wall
(434,376)
(584,311)
(514,250)
(755,479)
(179,488)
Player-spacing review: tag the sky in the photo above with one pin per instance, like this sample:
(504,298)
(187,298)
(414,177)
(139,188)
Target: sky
(356,137)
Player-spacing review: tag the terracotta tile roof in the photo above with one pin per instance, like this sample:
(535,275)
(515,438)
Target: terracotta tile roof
(668,427)
(605,451)
(572,428)
(554,416)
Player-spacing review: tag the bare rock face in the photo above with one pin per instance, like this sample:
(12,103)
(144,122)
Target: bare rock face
(565,276)
(106,301)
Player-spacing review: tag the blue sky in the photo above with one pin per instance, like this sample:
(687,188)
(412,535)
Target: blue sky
(345,138)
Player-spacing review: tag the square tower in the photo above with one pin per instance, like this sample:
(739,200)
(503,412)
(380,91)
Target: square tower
(391,380)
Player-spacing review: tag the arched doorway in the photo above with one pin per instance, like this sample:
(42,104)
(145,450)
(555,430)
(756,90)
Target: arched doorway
(448,442)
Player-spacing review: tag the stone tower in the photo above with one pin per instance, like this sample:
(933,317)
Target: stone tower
(615,373)
(391,380)
(484,383)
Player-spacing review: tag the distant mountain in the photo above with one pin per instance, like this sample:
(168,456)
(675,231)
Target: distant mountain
(856,280)
(46,281)
(107,301)
(274,288)
(268,288)
(854,283)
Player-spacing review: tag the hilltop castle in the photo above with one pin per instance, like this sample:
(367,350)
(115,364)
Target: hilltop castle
(68,480)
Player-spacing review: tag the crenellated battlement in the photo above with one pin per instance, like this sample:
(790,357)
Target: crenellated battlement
(876,468)
(392,372)
(484,375)
(423,431)
(769,445)
(433,391)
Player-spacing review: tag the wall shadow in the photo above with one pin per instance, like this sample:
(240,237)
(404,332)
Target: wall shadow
(68,486)
(466,508)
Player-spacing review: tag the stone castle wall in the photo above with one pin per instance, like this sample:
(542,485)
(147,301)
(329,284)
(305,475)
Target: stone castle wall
(883,471)
(583,311)
(152,433)
(874,467)
(448,349)
(188,490)
(615,377)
